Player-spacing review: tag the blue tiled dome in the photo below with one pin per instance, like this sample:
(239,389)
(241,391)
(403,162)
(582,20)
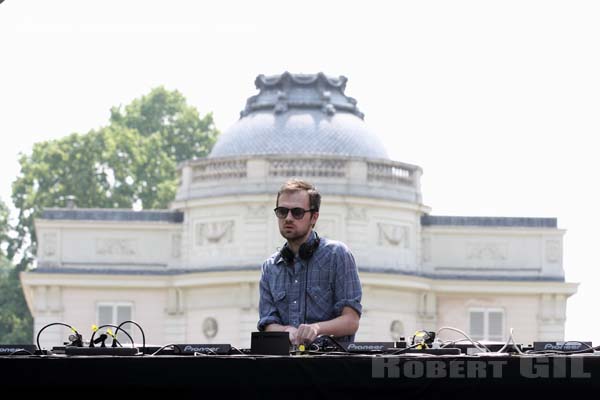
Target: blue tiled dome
(300,114)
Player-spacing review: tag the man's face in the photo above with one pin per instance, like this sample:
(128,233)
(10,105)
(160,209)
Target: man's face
(296,229)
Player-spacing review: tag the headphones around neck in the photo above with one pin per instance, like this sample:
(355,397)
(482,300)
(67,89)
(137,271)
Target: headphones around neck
(306,251)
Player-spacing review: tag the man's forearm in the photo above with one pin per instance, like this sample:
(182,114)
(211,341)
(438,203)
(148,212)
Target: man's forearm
(275,328)
(344,325)
(282,328)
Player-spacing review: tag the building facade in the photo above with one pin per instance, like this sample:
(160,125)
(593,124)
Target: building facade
(190,274)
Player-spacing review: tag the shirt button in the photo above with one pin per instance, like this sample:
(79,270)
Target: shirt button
(294,301)
(296,281)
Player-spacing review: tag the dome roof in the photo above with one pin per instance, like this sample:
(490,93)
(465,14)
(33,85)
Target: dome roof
(300,114)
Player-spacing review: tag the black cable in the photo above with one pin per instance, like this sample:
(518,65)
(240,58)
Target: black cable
(37,339)
(165,346)
(305,290)
(318,241)
(332,339)
(139,327)
(405,349)
(111,326)
(238,350)
(475,343)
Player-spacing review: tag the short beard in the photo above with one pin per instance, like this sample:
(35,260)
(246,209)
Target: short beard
(296,236)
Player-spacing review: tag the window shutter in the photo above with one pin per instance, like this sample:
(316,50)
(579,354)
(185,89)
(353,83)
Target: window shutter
(476,324)
(105,315)
(124,314)
(495,325)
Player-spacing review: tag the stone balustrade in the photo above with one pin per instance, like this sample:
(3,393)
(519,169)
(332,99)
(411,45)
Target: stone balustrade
(333,175)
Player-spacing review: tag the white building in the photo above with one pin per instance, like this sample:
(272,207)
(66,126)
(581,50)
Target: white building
(190,274)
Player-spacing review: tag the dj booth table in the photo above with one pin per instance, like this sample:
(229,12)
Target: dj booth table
(303,376)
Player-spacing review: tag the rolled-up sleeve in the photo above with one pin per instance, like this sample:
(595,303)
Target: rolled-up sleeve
(268,313)
(348,290)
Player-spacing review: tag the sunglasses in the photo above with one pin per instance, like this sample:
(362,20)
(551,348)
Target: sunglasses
(297,212)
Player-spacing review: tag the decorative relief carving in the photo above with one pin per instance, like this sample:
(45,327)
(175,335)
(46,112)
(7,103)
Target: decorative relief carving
(115,247)
(176,245)
(487,251)
(214,233)
(553,251)
(392,235)
(357,213)
(50,244)
(256,211)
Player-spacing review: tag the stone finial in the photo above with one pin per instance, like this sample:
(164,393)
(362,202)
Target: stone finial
(70,202)
(281,93)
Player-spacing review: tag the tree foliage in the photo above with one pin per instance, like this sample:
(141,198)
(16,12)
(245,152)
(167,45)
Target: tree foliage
(4,228)
(15,319)
(129,163)
(184,134)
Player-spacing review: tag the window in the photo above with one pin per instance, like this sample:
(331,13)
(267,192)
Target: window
(486,324)
(114,314)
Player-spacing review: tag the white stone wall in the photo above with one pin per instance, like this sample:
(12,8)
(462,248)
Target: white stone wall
(382,306)
(108,244)
(229,227)
(174,309)
(508,252)
(225,233)
(148,309)
(243,231)
(520,313)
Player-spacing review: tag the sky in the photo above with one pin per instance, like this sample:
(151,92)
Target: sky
(497,101)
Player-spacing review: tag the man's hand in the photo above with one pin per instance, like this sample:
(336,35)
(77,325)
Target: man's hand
(306,333)
(293,332)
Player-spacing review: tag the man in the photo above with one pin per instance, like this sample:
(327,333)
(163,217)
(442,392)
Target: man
(310,287)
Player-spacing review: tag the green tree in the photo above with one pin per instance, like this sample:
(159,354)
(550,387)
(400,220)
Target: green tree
(131,162)
(15,319)
(4,228)
(184,134)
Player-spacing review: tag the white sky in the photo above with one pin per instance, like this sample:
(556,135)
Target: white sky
(498,101)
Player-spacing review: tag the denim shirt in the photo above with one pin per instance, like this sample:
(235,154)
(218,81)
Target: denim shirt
(287,296)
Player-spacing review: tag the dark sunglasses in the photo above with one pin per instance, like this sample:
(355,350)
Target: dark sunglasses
(297,212)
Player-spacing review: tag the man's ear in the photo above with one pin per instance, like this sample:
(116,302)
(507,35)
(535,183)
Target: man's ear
(314,217)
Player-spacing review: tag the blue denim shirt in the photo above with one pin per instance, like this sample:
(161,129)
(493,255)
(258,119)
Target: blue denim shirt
(332,284)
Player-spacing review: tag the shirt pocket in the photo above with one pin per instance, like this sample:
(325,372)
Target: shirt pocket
(321,308)
(279,297)
(325,278)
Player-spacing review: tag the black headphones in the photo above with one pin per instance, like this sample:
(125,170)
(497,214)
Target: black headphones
(306,251)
